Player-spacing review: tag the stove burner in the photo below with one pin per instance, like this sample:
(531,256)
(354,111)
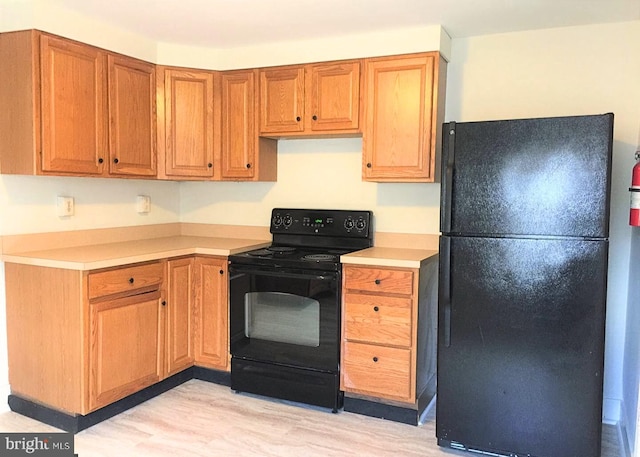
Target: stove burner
(281,249)
(319,257)
(260,253)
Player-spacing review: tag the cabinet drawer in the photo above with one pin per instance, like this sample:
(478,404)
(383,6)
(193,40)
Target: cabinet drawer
(377,370)
(126,279)
(378,319)
(379,280)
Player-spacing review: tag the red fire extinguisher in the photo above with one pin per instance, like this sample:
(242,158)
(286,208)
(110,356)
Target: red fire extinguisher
(634,213)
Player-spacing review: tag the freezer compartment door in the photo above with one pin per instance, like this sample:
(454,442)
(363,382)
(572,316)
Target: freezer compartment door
(521,345)
(547,176)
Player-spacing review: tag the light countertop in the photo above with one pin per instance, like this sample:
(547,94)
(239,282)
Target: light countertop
(97,256)
(388,257)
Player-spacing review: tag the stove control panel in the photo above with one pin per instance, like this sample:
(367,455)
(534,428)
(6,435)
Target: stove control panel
(319,222)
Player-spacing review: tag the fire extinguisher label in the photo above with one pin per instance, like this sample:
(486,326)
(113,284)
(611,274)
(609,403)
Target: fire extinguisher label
(635,200)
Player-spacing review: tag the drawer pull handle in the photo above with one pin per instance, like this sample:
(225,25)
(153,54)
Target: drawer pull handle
(221,272)
(377,281)
(376,309)
(375,359)
(130,280)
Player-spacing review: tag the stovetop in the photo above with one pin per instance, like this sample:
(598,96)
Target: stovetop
(311,239)
(294,257)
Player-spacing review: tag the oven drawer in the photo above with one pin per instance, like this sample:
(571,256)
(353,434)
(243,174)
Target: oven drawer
(377,370)
(380,280)
(129,279)
(378,319)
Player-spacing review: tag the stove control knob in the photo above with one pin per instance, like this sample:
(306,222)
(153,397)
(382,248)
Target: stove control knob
(288,220)
(361,224)
(277,220)
(348,223)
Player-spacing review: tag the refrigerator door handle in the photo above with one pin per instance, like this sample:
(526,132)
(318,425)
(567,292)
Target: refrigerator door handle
(445,288)
(448,150)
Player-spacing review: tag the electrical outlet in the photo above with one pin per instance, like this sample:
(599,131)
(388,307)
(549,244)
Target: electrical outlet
(143,204)
(65,206)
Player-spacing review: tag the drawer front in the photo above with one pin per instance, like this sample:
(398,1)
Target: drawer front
(126,279)
(378,319)
(379,280)
(377,370)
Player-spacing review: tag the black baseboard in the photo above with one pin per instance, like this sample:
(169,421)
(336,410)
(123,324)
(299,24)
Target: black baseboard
(406,415)
(75,423)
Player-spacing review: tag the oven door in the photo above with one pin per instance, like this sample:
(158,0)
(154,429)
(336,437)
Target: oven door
(285,317)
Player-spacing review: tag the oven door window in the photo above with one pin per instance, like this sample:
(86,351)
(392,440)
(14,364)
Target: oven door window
(286,317)
(282,317)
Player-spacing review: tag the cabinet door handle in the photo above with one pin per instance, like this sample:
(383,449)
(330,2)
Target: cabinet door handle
(221,272)
(369,165)
(248,165)
(376,309)
(100,160)
(164,303)
(377,281)
(209,165)
(314,117)
(130,280)
(115,161)
(298,119)
(375,359)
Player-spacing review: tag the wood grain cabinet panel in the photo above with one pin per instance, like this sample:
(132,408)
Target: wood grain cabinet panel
(311,100)
(189,123)
(125,347)
(333,97)
(376,319)
(132,116)
(379,332)
(404,110)
(211,313)
(73,100)
(244,155)
(179,314)
(126,280)
(378,370)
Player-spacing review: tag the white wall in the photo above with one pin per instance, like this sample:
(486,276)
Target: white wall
(565,71)
(631,372)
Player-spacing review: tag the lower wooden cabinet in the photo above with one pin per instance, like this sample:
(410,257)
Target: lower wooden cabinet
(80,340)
(389,319)
(125,347)
(211,313)
(178,307)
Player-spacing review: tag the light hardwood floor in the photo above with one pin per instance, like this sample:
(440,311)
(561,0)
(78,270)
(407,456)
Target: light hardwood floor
(203,419)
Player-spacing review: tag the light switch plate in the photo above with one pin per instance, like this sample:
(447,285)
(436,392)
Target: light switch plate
(65,206)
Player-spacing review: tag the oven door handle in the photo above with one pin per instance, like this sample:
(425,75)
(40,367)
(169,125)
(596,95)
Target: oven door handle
(235,272)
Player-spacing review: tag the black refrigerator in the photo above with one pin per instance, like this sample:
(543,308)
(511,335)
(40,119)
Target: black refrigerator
(522,285)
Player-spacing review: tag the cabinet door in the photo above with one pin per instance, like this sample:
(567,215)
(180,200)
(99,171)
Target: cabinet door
(211,313)
(73,100)
(179,309)
(189,123)
(239,124)
(399,136)
(333,96)
(132,123)
(282,100)
(125,347)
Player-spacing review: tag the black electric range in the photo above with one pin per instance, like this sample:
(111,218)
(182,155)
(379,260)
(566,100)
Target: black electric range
(285,306)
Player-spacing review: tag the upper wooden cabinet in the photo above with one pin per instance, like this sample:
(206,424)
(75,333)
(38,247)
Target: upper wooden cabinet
(311,99)
(187,134)
(404,107)
(73,103)
(132,116)
(244,155)
(68,108)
